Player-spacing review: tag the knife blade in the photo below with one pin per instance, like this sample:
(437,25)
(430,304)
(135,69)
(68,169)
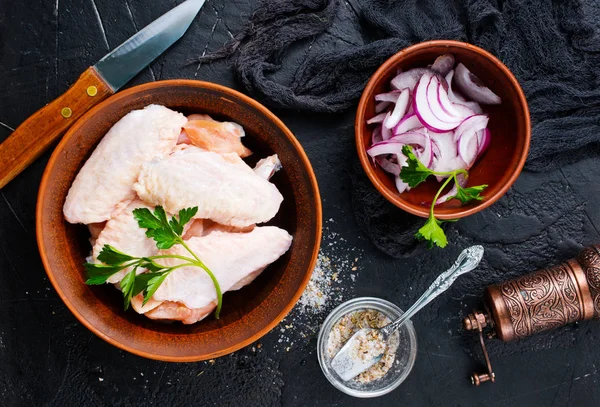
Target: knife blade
(128,59)
(36,134)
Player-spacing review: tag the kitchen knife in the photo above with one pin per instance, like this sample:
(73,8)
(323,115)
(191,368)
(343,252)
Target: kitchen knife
(98,82)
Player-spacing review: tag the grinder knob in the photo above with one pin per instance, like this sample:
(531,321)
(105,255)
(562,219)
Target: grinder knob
(470,323)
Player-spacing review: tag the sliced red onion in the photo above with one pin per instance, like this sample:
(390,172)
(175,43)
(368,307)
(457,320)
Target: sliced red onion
(472,87)
(480,135)
(401,160)
(460,135)
(462,181)
(448,159)
(467,136)
(446,145)
(471,124)
(454,96)
(468,148)
(442,81)
(448,164)
(385,153)
(483,141)
(408,122)
(448,107)
(385,147)
(401,186)
(399,110)
(428,109)
(435,148)
(434,89)
(376,119)
(459,99)
(387,165)
(376,135)
(391,97)
(408,79)
(420,139)
(411,137)
(426,156)
(385,132)
(381,106)
(443,64)
(465,111)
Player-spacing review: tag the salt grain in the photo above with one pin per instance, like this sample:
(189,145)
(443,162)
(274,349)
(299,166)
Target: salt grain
(329,285)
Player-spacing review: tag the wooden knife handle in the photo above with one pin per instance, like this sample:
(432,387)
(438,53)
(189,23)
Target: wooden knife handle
(48,124)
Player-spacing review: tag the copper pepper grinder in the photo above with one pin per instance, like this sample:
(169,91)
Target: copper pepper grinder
(546,299)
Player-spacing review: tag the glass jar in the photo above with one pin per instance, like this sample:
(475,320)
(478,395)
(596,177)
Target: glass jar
(405,354)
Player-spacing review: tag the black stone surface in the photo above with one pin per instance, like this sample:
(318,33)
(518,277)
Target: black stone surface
(48,358)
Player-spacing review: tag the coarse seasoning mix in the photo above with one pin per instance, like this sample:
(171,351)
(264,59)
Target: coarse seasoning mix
(368,345)
(353,322)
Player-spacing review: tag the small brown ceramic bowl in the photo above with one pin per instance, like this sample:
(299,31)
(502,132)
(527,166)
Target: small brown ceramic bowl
(509,124)
(247,314)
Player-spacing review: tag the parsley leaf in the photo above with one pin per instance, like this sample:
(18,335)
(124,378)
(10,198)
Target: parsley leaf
(466,195)
(157,226)
(415,172)
(432,233)
(110,255)
(149,264)
(153,284)
(127,285)
(185,215)
(164,232)
(99,273)
(145,219)
(141,282)
(164,238)
(161,215)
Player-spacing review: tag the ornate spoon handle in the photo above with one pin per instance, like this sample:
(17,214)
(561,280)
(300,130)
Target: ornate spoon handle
(466,261)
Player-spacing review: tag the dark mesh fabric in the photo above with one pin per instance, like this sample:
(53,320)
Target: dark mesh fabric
(552,47)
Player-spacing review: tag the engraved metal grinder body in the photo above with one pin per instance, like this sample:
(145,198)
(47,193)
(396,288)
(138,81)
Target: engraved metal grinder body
(540,301)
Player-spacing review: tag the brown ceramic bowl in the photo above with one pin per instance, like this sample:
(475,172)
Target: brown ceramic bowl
(509,124)
(247,314)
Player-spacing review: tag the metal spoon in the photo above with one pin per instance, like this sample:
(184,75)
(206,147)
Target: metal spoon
(352,359)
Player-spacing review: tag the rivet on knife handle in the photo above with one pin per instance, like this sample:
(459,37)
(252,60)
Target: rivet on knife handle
(92,90)
(44,127)
(66,112)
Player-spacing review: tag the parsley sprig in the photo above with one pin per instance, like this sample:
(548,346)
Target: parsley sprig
(166,233)
(415,173)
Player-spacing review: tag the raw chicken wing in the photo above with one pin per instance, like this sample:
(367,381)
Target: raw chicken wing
(223,191)
(235,259)
(107,177)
